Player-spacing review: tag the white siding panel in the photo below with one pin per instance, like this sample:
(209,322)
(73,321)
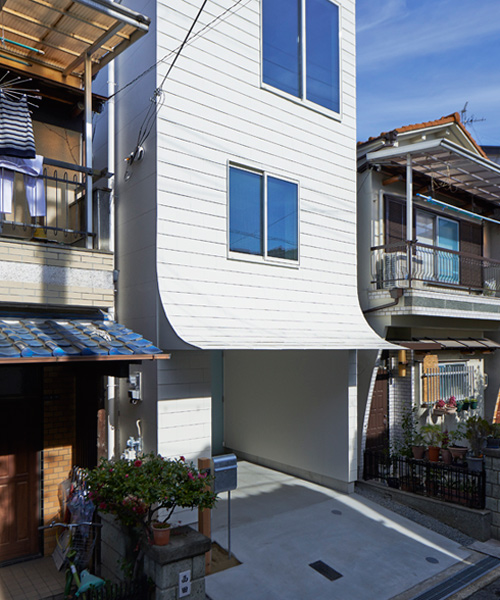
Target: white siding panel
(214,111)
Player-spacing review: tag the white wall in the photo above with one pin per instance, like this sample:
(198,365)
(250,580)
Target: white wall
(292,410)
(214,111)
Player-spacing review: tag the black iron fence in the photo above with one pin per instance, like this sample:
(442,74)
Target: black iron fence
(450,483)
(130,590)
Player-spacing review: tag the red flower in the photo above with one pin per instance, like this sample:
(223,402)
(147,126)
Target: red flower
(183,459)
(102,505)
(137,463)
(190,475)
(126,475)
(202,475)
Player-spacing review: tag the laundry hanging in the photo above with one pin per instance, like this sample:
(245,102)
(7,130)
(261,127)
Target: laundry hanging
(33,183)
(16,128)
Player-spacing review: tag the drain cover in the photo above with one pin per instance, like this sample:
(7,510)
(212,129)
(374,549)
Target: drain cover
(325,570)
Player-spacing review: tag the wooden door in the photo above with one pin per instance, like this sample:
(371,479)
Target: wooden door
(19,442)
(377,433)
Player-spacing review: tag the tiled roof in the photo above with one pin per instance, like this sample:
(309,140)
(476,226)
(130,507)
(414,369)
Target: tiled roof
(45,338)
(453,118)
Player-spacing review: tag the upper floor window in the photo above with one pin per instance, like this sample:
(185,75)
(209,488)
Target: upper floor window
(263,215)
(301,49)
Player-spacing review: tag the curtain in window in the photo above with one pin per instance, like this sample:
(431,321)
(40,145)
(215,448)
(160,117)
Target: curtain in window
(471,242)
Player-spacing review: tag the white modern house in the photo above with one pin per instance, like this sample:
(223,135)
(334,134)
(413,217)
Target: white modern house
(236,232)
(429,279)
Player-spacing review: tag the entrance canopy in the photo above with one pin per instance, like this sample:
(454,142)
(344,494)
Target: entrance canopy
(463,344)
(62,339)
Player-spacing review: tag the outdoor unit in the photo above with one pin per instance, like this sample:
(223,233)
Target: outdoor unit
(395,269)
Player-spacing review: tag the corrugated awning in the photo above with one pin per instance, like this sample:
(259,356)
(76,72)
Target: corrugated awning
(51,39)
(445,161)
(54,340)
(464,344)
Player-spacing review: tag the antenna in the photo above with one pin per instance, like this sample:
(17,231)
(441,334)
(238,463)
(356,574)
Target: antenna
(468,120)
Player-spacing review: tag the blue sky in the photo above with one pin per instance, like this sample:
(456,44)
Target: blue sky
(418,60)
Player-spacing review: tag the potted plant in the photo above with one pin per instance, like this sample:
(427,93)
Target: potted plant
(445,450)
(439,408)
(161,532)
(465,404)
(411,443)
(455,436)
(473,403)
(451,405)
(432,435)
(136,491)
(493,439)
(476,432)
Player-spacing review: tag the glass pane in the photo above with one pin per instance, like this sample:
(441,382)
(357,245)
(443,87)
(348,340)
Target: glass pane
(448,263)
(425,228)
(423,266)
(282,219)
(322,53)
(245,211)
(281,45)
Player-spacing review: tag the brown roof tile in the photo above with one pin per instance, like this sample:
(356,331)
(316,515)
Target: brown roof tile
(453,118)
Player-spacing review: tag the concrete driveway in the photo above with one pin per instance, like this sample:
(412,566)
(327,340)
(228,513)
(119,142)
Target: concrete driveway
(281,525)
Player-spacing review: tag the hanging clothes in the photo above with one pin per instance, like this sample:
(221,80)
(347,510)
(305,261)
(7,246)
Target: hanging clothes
(33,183)
(16,128)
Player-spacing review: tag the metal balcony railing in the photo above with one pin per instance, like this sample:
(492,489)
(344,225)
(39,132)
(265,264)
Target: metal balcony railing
(65,216)
(405,264)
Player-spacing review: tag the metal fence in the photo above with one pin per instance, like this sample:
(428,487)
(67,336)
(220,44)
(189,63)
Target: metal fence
(456,484)
(447,380)
(406,264)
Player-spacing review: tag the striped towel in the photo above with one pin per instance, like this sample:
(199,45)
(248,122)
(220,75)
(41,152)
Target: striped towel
(16,128)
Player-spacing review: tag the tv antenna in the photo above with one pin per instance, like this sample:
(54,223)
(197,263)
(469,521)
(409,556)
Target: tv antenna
(468,120)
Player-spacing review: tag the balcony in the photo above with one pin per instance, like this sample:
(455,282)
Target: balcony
(415,266)
(64,209)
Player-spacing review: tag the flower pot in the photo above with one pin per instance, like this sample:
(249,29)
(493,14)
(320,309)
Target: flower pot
(451,410)
(458,452)
(446,456)
(161,534)
(418,452)
(473,404)
(465,405)
(434,453)
(438,412)
(474,464)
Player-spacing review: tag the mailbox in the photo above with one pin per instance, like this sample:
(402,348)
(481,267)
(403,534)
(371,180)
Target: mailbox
(224,471)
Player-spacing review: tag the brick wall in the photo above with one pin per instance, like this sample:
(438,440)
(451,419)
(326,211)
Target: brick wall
(59,441)
(41,273)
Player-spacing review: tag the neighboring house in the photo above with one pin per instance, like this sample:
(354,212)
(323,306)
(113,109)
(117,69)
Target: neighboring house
(428,231)
(57,344)
(236,233)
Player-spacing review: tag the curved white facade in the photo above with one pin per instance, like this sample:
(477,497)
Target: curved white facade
(214,113)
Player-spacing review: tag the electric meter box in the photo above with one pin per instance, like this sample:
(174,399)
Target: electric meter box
(224,470)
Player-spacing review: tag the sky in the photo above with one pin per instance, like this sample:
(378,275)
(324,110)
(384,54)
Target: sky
(419,60)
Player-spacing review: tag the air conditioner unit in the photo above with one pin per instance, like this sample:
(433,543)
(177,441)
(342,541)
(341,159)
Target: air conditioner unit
(395,269)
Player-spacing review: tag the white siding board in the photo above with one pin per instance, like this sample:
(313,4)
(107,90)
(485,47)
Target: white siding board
(215,111)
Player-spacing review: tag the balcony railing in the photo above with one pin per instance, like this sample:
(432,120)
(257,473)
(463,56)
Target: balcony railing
(65,216)
(414,265)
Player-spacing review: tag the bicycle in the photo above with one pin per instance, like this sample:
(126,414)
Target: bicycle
(74,548)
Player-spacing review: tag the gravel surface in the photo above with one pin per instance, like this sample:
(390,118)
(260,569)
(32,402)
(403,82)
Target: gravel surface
(416,516)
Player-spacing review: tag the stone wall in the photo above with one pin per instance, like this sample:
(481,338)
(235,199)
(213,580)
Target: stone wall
(492,466)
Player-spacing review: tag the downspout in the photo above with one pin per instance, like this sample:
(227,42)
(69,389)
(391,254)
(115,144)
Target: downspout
(88,148)
(112,383)
(409,215)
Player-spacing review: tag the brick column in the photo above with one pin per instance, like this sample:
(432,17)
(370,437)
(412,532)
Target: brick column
(492,466)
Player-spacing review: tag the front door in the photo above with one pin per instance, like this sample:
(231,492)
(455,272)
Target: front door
(377,433)
(19,444)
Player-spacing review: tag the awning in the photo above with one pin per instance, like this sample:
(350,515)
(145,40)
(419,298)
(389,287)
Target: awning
(447,162)
(463,344)
(51,39)
(54,340)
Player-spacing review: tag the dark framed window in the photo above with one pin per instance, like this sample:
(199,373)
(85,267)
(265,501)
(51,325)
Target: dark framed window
(263,215)
(301,49)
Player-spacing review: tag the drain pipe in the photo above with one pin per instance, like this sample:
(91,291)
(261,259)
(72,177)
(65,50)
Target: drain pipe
(396,293)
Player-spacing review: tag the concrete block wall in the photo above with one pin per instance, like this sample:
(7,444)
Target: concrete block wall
(49,274)
(492,466)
